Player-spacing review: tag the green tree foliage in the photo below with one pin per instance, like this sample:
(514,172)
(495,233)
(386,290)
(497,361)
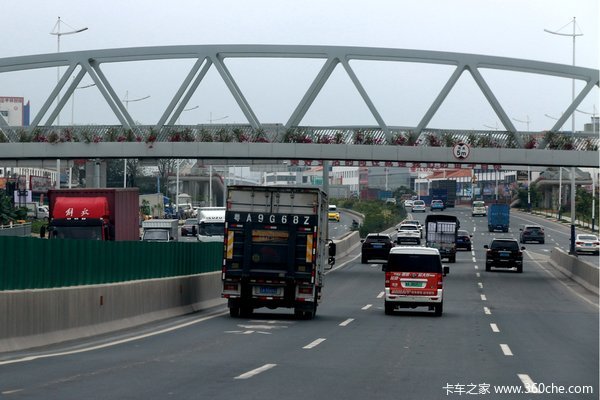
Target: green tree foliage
(7,211)
(379,215)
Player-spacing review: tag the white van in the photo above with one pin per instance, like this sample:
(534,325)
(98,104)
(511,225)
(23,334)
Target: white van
(414,278)
(211,224)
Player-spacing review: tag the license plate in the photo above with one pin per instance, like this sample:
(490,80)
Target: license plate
(412,284)
(505,254)
(377,246)
(588,244)
(268,290)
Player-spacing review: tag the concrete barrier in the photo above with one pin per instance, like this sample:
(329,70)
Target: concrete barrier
(31,318)
(576,269)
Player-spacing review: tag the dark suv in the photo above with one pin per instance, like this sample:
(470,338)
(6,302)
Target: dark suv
(376,246)
(532,233)
(504,253)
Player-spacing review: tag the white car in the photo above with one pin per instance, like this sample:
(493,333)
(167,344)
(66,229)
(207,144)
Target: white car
(418,205)
(587,243)
(408,234)
(408,203)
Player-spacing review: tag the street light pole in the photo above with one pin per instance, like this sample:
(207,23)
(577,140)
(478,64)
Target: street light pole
(56,31)
(186,109)
(526,121)
(127,101)
(574,36)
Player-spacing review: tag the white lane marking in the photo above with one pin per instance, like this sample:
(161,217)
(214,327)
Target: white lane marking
(256,371)
(346,322)
(116,342)
(487,311)
(494,328)
(480,285)
(528,382)
(474,260)
(506,350)
(476,267)
(314,343)
(477,274)
(367,307)
(483,298)
(380,295)
(12,391)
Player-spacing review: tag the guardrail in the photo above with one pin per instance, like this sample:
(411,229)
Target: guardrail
(23,229)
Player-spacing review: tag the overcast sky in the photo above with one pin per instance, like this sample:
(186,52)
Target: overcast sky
(402,92)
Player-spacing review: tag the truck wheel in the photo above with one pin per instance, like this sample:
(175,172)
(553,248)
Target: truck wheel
(452,259)
(488,268)
(363,260)
(439,308)
(520,269)
(234,312)
(389,308)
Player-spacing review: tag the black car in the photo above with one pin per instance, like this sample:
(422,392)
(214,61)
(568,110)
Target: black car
(532,233)
(190,227)
(463,240)
(504,253)
(376,246)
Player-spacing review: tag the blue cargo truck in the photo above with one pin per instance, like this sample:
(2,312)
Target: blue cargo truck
(498,217)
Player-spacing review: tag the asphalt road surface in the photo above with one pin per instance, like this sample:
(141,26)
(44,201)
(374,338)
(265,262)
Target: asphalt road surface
(499,331)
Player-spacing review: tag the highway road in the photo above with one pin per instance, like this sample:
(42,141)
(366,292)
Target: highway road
(499,331)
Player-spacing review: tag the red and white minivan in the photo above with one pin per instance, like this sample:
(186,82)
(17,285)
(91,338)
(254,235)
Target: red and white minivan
(414,277)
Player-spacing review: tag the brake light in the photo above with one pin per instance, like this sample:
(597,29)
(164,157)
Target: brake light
(387,279)
(305,290)
(230,287)
(440,284)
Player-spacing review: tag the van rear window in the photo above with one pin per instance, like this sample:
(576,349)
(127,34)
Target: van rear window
(414,263)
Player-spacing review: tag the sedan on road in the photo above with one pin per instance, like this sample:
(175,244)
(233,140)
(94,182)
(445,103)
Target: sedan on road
(376,246)
(532,233)
(437,205)
(504,253)
(463,240)
(418,205)
(190,227)
(587,243)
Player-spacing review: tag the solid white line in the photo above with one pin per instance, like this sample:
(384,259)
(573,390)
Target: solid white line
(116,342)
(527,382)
(346,322)
(367,307)
(256,371)
(480,285)
(314,343)
(494,328)
(483,298)
(487,311)
(506,350)
(380,295)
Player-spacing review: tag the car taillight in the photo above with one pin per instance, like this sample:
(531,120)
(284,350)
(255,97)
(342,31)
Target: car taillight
(440,284)
(597,243)
(579,243)
(387,279)
(230,286)
(305,290)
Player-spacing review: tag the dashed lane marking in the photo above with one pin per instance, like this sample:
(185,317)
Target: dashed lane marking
(483,298)
(314,343)
(367,307)
(487,311)
(346,322)
(506,350)
(494,328)
(256,371)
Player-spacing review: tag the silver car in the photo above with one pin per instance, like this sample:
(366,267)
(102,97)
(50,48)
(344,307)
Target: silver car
(587,243)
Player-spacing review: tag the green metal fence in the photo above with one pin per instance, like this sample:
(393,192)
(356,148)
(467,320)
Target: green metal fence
(32,263)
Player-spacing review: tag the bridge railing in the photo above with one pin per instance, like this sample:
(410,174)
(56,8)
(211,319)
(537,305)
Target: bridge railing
(276,133)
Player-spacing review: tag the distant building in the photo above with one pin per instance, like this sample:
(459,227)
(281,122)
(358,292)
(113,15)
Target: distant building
(14,111)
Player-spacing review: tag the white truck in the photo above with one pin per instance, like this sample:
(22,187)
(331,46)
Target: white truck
(160,230)
(440,233)
(211,224)
(275,249)
(37,211)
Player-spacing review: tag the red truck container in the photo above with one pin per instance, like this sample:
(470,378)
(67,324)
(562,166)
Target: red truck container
(97,214)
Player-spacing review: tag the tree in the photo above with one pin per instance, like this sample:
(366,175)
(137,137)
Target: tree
(7,211)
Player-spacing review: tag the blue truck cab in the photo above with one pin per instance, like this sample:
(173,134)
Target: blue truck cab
(498,217)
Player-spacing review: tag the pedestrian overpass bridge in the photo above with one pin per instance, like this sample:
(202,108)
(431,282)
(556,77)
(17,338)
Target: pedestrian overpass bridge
(288,140)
